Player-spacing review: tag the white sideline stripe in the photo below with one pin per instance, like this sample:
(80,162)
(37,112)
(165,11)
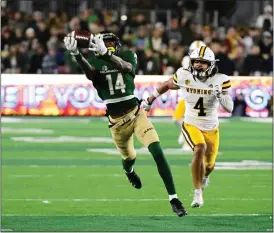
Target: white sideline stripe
(5,119)
(126,215)
(128,199)
(62,139)
(144,166)
(26,130)
(258,120)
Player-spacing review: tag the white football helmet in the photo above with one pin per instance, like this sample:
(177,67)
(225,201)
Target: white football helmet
(195,45)
(205,54)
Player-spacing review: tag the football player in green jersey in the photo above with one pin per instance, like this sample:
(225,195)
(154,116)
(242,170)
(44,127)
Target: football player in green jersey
(112,73)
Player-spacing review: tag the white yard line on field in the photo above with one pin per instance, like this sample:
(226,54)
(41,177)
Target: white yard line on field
(126,199)
(126,215)
(26,130)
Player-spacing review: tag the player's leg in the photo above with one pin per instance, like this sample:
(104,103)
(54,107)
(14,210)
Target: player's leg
(212,141)
(148,136)
(196,140)
(123,139)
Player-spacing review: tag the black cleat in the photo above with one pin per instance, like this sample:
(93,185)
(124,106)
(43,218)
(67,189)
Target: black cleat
(134,179)
(177,207)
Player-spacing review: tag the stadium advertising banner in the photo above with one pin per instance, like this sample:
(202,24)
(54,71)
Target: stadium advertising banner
(74,95)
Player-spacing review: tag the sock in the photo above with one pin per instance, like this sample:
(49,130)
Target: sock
(127,165)
(163,167)
(172,196)
(198,190)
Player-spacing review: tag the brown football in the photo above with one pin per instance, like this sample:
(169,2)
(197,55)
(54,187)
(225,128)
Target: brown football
(83,38)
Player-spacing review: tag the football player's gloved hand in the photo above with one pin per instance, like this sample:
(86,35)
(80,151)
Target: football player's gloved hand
(146,105)
(98,46)
(217,91)
(71,44)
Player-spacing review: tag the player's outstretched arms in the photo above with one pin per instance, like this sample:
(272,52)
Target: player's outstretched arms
(71,46)
(163,88)
(99,46)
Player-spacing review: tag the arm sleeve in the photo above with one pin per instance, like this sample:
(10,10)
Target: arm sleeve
(226,102)
(133,62)
(225,99)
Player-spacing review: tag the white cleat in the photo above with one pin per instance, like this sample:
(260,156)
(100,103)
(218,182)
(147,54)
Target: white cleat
(205,182)
(198,199)
(186,147)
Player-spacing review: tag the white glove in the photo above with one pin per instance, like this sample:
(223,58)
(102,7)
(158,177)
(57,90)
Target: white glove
(99,45)
(146,105)
(71,44)
(217,91)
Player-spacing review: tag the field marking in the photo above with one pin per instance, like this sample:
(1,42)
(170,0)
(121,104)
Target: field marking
(257,120)
(126,199)
(139,151)
(143,166)
(62,139)
(43,120)
(126,215)
(26,130)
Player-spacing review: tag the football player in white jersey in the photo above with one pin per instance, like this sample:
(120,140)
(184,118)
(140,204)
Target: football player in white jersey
(180,108)
(203,89)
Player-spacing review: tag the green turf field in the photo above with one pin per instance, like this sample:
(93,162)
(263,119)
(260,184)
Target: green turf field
(64,174)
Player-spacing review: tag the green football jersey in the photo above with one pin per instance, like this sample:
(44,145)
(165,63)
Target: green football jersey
(114,87)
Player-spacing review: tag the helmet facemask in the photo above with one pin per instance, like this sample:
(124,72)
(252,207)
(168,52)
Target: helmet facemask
(112,42)
(201,74)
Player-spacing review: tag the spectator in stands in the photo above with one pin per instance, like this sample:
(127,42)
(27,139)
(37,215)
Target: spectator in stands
(167,67)
(267,64)
(23,58)
(155,41)
(239,105)
(17,22)
(174,32)
(10,63)
(232,42)
(42,33)
(253,62)
(176,51)
(49,64)
(266,43)
(152,63)
(225,64)
(265,21)
(36,59)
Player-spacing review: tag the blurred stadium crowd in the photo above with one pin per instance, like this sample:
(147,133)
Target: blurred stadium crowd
(33,43)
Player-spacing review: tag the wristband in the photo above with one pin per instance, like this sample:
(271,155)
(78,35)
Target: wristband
(156,93)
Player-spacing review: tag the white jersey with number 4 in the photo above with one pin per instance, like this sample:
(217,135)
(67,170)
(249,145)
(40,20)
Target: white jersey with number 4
(201,104)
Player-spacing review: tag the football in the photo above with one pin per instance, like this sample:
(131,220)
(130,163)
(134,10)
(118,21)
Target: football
(83,38)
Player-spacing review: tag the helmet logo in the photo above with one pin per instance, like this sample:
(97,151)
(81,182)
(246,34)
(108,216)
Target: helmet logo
(187,82)
(202,51)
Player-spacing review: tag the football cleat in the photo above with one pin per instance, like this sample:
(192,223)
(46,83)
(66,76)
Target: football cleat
(134,179)
(177,207)
(198,199)
(205,182)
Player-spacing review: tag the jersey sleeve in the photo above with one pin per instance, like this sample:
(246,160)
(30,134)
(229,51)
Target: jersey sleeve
(226,83)
(180,76)
(132,59)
